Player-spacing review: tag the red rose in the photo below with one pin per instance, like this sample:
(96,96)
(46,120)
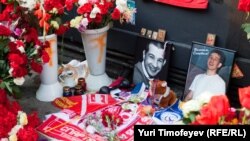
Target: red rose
(207,116)
(217,107)
(244,97)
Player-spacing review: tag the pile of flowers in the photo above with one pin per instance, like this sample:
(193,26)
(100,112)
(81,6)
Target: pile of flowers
(103,123)
(44,15)
(20,53)
(94,14)
(16,124)
(243,6)
(216,110)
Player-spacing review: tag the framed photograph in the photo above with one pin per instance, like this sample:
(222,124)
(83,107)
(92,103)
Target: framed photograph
(210,39)
(154,35)
(161,35)
(149,33)
(151,60)
(143,31)
(209,70)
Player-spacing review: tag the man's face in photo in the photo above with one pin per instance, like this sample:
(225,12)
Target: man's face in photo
(213,62)
(154,60)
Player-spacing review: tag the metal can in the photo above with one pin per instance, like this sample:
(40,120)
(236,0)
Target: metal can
(81,82)
(78,90)
(66,91)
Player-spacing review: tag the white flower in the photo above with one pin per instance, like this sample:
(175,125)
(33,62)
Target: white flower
(30,4)
(190,106)
(121,5)
(10,71)
(54,11)
(13,137)
(23,120)
(54,24)
(21,49)
(94,12)
(83,25)
(19,80)
(15,129)
(204,97)
(82,2)
(90,129)
(76,21)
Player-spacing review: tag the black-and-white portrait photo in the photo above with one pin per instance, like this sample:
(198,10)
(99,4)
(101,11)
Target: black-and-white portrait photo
(152,59)
(209,71)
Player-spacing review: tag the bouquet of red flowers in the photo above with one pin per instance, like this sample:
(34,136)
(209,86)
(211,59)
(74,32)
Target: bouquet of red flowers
(20,50)
(16,124)
(94,14)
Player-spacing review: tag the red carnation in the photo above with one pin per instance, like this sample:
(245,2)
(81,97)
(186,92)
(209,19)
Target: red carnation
(244,5)
(69,4)
(86,8)
(62,29)
(4,31)
(17,58)
(27,134)
(19,71)
(116,14)
(36,66)
(244,97)
(3,97)
(45,56)
(33,119)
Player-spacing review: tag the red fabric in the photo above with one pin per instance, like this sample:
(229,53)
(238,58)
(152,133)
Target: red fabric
(199,4)
(85,104)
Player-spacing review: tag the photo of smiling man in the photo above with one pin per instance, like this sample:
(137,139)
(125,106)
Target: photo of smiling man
(153,60)
(209,81)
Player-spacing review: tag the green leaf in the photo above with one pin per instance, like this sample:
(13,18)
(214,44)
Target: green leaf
(192,116)
(7,85)
(246,27)
(16,92)
(2,85)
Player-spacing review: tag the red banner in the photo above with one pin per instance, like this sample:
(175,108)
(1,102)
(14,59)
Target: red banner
(198,4)
(57,128)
